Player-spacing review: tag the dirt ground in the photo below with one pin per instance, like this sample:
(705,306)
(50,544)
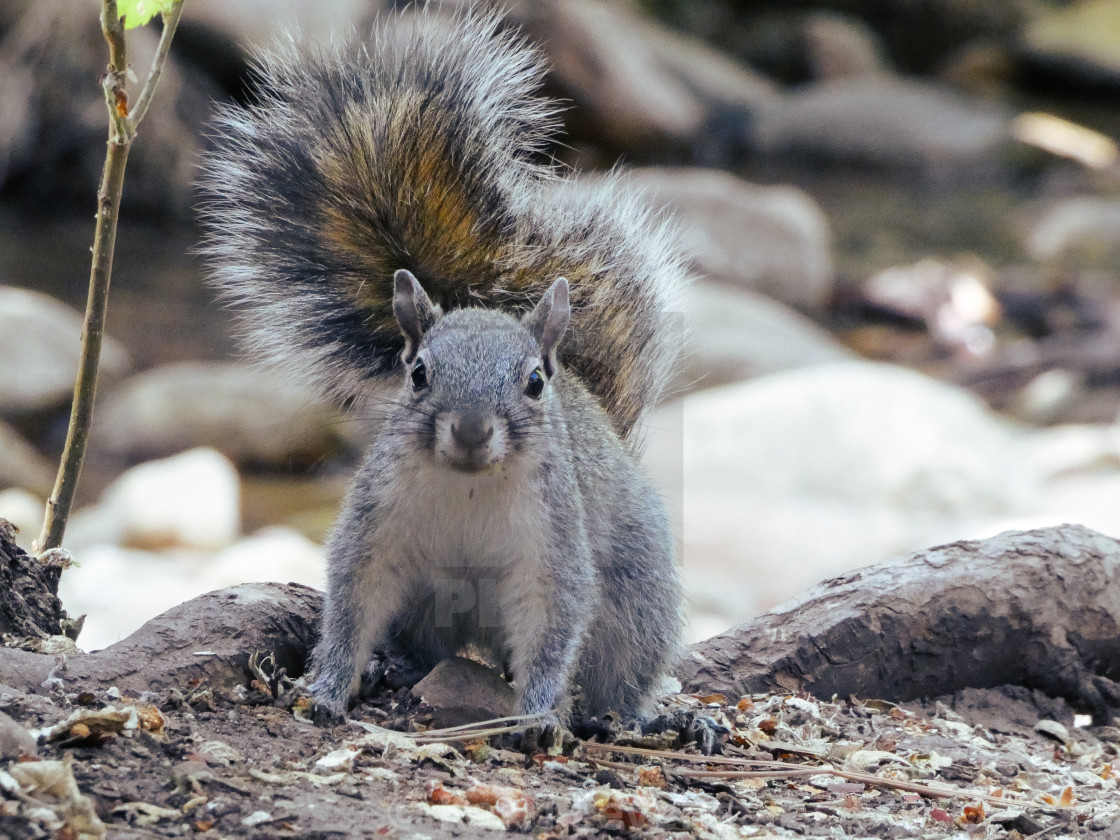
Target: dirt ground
(191,763)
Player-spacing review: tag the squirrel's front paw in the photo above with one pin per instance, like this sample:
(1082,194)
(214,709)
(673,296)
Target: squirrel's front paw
(693,726)
(326,709)
(550,738)
(327,715)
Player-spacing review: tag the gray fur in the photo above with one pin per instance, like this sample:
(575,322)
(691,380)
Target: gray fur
(312,200)
(556,557)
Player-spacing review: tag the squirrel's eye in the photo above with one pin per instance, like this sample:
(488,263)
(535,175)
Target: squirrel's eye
(535,387)
(419,376)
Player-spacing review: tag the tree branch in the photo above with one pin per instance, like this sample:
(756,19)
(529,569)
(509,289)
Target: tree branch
(122,131)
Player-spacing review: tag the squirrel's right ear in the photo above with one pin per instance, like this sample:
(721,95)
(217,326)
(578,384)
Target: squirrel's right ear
(414,310)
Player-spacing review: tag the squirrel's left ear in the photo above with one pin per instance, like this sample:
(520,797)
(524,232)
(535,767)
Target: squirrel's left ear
(548,321)
(414,310)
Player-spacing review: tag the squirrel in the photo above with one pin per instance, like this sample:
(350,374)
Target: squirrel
(386,213)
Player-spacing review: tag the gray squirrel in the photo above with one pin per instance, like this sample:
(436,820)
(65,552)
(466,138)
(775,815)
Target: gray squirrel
(383,213)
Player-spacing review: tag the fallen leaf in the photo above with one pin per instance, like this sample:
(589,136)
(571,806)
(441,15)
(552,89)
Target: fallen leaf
(974,814)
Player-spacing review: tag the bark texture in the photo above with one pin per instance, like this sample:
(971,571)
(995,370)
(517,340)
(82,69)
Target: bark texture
(1036,608)
(29,604)
(206,640)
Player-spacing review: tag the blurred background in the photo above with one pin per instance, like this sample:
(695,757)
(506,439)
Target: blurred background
(904,217)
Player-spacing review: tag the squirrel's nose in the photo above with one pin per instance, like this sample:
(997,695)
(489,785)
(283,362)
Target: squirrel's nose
(472,430)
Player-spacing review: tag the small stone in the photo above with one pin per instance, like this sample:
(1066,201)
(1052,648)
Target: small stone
(1052,729)
(256,818)
(465,691)
(14,739)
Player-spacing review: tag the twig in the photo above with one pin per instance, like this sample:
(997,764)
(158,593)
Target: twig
(781,769)
(170,23)
(122,131)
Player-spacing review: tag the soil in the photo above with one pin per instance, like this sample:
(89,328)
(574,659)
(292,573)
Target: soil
(245,764)
(196,725)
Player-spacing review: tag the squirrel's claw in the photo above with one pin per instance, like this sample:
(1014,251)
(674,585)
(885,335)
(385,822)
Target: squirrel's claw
(550,738)
(694,727)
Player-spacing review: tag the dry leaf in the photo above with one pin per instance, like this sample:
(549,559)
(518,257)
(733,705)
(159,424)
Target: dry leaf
(974,813)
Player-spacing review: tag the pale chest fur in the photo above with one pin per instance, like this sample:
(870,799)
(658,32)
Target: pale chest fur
(447,519)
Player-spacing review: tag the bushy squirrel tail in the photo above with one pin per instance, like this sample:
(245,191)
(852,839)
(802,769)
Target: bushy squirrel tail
(425,150)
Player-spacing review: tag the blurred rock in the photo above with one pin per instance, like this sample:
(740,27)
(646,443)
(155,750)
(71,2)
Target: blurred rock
(863,433)
(464,691)
(1084,229)
(953,299)
(1077,43)
(21,466)
(784,480)
(40,343)
(121,588)
(257,22)
(773,240)
(886,122)
(637,86)
(734,335)
(273,553)
(189,500)
(15,740)
(841,47)
(25,511)
(254,416)
(53,119)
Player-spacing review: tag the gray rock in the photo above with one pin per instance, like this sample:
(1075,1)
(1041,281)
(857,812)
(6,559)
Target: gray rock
(14,739)
(888,122)
(251,415)
(735,335)
(464,691)
(774,240)
(22,466)
(636,85)
(1085,228)
(842,47)
(40,343)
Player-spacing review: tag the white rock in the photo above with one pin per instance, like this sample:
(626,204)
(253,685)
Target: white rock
(734,334)
(40,343)
(785,480)
(192,499)
(274,553)
(860,433)
(118,589)
(145,584)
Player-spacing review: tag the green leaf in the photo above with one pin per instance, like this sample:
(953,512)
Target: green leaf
(138,12)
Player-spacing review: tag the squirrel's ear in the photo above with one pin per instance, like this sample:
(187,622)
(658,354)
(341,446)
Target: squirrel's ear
(414,310)
(548,322)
